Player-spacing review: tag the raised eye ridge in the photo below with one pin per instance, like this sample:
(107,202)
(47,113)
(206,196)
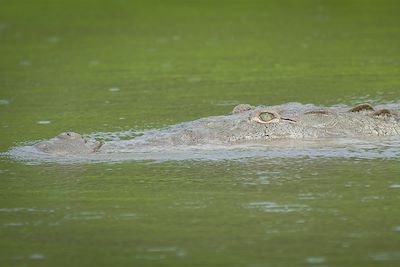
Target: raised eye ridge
(266,117)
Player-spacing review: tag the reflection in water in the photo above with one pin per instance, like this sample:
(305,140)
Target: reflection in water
(29,210)
(85,215)
(387,256)
(37,257)
(170,211)
(274,207)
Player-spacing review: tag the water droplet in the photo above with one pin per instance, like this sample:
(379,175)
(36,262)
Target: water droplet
(94,63)
(194,79)
(3,27)
(25,63)
(16,224)
(114,89)
(386,256)
(4,102)
(176,37)
(53,39)
(37,257)
(264,179)
(43,122)
(315,260)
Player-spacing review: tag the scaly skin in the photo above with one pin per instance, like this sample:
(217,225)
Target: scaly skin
(249,124)
(69,143)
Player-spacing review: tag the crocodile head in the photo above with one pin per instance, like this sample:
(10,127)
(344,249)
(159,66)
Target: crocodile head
(248,124)
(291,120)
(295,120)
(68,143)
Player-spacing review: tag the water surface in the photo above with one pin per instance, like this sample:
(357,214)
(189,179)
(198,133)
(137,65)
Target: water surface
(117,66)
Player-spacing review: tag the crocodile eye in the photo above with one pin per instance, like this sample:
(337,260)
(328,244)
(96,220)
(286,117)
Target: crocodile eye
(266,116)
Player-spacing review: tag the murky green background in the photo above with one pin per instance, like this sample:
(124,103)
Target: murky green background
(91,66)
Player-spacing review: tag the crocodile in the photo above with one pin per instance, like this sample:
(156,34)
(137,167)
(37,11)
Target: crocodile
(247,124)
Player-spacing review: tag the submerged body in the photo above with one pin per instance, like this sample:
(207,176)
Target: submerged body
(248,125)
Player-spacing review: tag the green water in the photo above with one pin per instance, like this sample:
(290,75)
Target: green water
(172,61)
